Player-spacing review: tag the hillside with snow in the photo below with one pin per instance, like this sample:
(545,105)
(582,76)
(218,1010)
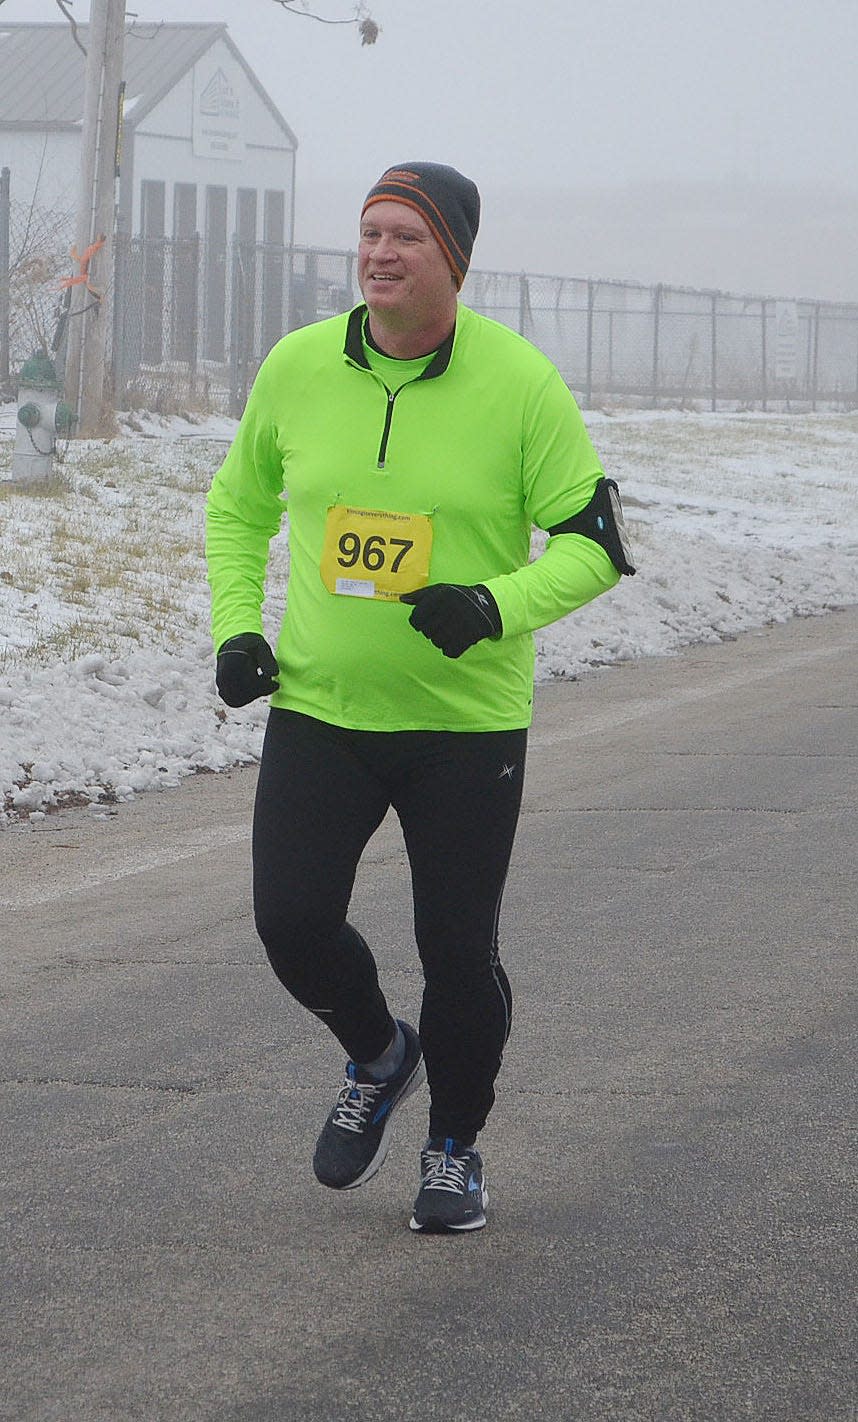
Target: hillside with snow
(106,667)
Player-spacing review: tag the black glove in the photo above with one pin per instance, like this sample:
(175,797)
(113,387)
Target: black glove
(246,668)
(453,617)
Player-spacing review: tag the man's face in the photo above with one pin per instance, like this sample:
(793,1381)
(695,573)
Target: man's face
(402,271)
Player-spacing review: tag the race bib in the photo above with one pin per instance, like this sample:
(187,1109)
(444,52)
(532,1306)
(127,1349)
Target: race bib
(372,553)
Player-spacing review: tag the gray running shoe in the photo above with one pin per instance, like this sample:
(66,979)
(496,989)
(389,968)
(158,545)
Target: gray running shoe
(356,1136)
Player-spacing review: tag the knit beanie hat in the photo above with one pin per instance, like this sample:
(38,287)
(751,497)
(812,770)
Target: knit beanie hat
(447,201)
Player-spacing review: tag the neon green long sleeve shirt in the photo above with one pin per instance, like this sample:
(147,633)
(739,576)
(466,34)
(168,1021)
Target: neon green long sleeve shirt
(485,444)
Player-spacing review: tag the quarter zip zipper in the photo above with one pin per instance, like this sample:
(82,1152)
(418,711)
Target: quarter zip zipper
(388,414)
(354,354)
(388,420)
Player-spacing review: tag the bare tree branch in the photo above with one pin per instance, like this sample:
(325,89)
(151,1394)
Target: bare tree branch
(367,27)
(63,5)
(25,253)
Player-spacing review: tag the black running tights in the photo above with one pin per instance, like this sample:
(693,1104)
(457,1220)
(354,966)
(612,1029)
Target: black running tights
(322,793)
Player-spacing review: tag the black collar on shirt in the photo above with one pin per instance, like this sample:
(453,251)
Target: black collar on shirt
(354,346)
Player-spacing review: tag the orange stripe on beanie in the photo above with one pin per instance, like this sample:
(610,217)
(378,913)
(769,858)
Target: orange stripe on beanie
(444,198)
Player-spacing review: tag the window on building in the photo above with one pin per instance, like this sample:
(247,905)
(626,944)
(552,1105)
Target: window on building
(152,212)
(244,276)
(215,273)
(245,214)
(184,209)
(274,258)
(152,208)
(185,252)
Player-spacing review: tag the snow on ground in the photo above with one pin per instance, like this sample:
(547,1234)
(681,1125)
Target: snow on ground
(106,668)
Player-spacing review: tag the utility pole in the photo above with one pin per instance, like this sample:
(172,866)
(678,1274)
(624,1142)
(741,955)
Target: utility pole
(91,300)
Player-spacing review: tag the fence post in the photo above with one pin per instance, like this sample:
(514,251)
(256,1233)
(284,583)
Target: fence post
(523,303)
(291,321)
(815,387)
(714,351)
(5,210)
(808,362)
(656,314)
(591,297)
(764,386)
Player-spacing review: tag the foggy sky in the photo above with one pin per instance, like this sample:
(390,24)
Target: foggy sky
(677,140)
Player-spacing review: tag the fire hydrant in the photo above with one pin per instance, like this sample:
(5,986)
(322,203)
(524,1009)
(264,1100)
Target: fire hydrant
(41,417)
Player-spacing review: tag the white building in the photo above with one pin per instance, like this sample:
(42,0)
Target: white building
(203,148)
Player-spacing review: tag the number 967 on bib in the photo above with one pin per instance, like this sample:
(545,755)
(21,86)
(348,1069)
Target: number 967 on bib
(375,553)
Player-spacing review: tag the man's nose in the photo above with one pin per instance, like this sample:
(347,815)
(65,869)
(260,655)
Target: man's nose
(385,248)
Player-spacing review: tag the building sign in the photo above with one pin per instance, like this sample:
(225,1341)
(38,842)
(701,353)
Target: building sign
(218,130)
(786,341)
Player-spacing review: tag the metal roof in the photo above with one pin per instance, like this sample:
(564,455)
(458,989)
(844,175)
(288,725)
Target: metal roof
(42,71)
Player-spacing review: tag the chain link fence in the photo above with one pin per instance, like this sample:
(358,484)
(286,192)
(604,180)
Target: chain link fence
(34,256)
(195,324)
(622,342)
(192,323)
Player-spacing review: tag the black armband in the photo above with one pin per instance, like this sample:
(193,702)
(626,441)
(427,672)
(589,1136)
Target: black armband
(602,520)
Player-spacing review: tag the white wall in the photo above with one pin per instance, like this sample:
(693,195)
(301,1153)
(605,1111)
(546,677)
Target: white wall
(172,161)
(174,114)
(175,143)
(44,166)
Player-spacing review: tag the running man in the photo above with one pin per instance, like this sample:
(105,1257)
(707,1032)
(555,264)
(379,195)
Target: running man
(414,445)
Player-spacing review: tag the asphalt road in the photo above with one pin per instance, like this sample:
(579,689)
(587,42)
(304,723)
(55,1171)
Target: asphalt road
(672,1160)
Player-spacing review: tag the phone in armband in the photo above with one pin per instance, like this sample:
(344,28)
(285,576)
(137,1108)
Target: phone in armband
(603,521)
